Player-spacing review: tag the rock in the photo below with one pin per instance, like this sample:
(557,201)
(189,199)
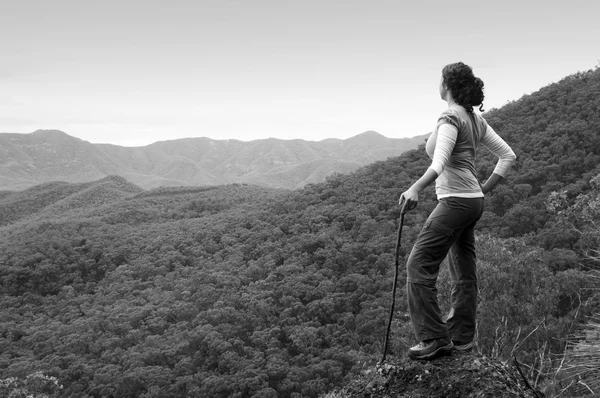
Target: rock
(459,375)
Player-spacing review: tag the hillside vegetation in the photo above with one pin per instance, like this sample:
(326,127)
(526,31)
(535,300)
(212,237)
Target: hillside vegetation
(246,291)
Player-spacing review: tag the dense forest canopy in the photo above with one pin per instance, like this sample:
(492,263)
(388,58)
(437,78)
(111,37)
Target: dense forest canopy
(244,291)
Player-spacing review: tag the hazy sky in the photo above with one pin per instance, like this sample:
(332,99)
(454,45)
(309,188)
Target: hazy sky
(135,72)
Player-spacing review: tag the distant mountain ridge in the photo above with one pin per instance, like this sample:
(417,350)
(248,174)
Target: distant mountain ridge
(51,155)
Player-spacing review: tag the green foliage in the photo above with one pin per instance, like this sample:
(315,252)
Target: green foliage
(36,385)
(578,374)
(555,133)
(582,218)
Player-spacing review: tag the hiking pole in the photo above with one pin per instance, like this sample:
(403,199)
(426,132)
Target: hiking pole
(389,325)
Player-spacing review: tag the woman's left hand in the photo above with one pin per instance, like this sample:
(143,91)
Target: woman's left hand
(410,199)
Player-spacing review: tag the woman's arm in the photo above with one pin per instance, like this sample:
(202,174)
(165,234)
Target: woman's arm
(411,195)
(506,157)
(446,139)
(491,183)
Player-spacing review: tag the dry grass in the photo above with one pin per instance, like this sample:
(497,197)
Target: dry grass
(580,368)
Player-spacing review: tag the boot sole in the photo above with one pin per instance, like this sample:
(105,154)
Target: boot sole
(464,347)
(446,349)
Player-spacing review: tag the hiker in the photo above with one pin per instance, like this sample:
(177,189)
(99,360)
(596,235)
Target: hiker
(451,225)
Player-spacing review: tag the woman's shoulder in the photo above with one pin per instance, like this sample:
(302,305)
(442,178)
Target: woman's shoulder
(458,116)
(459,111)
(452,110)
(481,120)
(451,116)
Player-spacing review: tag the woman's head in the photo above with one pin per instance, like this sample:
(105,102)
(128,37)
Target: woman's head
(466,89)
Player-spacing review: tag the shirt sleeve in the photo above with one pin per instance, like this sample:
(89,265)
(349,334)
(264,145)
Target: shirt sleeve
(446,139)
(449,116)
(506,157)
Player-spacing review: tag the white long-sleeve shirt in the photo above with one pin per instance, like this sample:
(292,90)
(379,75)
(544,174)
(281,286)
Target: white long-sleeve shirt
(452,147)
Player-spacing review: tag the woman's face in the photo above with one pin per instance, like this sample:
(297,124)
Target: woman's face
(443,89)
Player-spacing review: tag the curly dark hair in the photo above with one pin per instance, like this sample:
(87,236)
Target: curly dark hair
(467,90)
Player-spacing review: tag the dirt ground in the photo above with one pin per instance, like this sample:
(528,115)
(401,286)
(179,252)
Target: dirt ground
(459,375)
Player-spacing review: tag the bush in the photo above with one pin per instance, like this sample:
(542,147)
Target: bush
(36,385)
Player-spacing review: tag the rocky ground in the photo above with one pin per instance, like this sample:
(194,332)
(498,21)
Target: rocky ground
(459,375)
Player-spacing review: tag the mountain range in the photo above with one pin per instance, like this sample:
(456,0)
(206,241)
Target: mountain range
(51,155)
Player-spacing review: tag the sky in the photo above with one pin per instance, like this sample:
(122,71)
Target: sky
(132,73)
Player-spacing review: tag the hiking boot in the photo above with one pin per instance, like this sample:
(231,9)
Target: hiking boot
(430,349)
(462,346)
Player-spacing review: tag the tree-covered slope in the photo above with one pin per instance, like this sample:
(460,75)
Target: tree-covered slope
(555,133)
(54,199)
(244,291)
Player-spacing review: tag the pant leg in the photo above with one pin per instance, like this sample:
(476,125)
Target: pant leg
(462,317)
(428,252)
(441,230)
(461,320)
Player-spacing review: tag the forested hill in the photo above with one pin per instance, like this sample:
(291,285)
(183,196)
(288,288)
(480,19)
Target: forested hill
(58,199)
(555,133)
(240,290)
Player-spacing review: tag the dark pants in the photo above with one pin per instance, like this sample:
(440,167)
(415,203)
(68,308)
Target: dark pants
(449,228)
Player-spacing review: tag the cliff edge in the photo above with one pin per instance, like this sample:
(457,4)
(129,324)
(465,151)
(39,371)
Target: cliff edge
(459,375)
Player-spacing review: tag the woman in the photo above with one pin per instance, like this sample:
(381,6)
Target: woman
(451,225)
